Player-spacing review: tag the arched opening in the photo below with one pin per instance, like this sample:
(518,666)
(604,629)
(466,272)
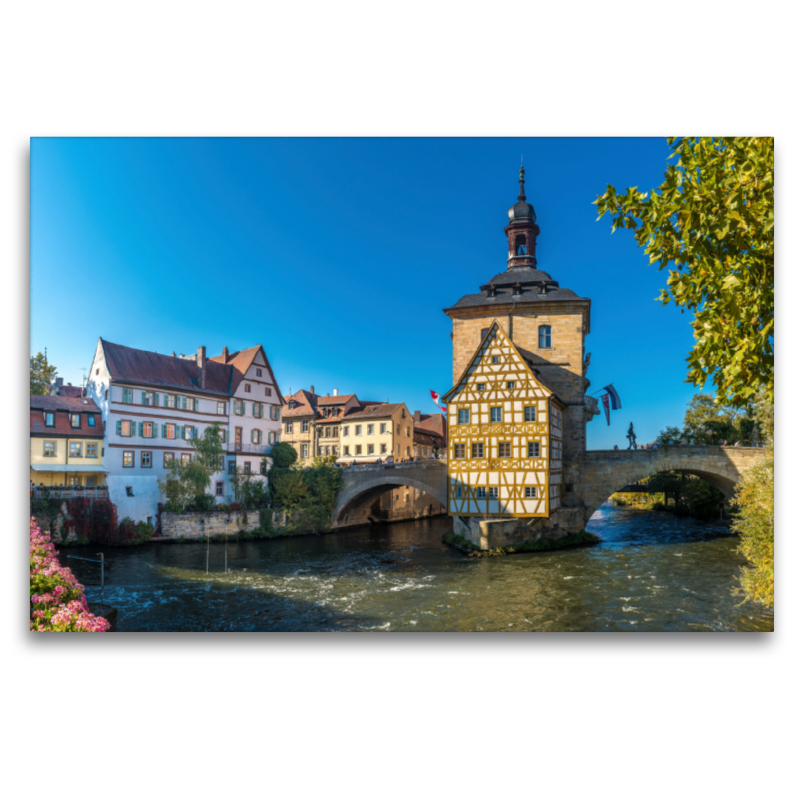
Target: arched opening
(388,503)
(521,245)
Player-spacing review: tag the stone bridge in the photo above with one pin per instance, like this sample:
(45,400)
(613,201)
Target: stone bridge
(600,473)
(362,485)
(588,481)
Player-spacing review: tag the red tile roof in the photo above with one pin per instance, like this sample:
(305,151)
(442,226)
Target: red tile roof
(306,404)
(374,411)
(68,391)
(436,423)
(129,365)
(62,407)
(332,400)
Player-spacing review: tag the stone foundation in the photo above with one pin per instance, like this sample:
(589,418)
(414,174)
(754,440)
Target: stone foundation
(493,532)
(199,524)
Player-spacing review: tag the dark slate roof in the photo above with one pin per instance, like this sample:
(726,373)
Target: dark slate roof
(52,402)
(530,281)
(129,365)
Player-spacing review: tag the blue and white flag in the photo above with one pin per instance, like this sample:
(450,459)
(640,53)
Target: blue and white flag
(613,396)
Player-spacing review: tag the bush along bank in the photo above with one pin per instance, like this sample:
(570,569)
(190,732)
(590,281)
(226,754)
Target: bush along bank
(58,603)
(473,551)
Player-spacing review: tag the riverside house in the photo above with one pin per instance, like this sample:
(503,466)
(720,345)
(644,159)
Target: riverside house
(153,405)
(377,430)
(66,441)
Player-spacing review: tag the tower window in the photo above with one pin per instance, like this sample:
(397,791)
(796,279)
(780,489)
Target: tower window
(521,246)
(544,336)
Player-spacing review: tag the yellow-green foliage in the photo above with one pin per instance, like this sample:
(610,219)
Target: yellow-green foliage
(756,525)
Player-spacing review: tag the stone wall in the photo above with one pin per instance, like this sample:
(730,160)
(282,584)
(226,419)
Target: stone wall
(491,533)
(199,524)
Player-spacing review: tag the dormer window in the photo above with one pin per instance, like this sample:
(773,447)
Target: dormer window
(491,292)
(517,289)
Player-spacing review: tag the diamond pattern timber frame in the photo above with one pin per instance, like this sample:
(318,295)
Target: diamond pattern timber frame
(495,363)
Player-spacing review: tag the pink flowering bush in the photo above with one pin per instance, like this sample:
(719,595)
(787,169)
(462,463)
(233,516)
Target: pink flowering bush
(57,599)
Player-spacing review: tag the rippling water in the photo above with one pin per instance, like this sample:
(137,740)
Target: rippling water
(651,572)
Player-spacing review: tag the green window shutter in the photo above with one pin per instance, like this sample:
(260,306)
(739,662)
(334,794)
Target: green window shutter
(154,431)
(141,429)
(119,427)
(155,398)
(196,404)
(180,431)
(163,430)
(185,403)
(255,413)
(144,398)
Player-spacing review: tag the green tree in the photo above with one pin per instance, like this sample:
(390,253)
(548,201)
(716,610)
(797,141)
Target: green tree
(712,219)
(670,434)
(42,374)
(283,455)
(324,461)
(709,422)
(186,482)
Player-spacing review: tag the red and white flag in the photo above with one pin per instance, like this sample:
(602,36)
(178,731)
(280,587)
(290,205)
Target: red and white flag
(436,397)
(604,398)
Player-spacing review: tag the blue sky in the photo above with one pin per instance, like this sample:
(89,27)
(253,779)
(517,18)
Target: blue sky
(338,255)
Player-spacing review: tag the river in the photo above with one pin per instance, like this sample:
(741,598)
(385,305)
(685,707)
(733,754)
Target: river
(651,572)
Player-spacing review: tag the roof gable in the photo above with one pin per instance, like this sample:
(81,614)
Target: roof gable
(496,362)
(241,361)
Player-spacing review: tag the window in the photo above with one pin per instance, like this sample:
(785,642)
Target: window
(496,414)
(530,413)
(530,491)
(383,449)
(127,395)
(327,450)
(533,449)
(346,430)
(220,463)
(327,433)
(129,491)
(247,468)
(127,458)
(247,387)
(148,430)
(75,420)
(511,385)
(477,450)
(370,449)
(408,451)
(544,336)
(370,430)
(168,458)
(256,436)
(358,449)
(220,408)
(90,481)
(336,430)
(90,420)
(258,410)
(495,359)
(124,427)
(358,430)
(459,451)
(347,449)
(49,448)
(186,458)
(267,391)
(398,430)
(304,426)
(481,387)
(231,468)
(288,427)
(458,491)
(75,450)
(220,488)
(148,399)
(274,412)
(463,416)
(480,493)
(91,450)
(238,407)
(146,459)
(383,427)
(50,420)
(336,449)
(169,431)
(504,450)
(408,431)
(169,400)
(304,451)
(493,491)
(190,432)
(258,373)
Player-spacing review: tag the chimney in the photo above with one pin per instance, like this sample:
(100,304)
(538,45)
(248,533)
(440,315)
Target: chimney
(335,392)
(59,381)
(417,417)
(201,366)
(225,354)
(312,389)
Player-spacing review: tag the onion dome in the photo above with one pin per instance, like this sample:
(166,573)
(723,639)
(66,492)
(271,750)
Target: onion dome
(522,210)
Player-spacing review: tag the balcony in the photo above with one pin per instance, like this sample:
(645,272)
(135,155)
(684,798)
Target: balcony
(247,449)
(65,492)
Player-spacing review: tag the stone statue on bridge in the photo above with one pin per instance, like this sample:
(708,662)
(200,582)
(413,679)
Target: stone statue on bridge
(631,438)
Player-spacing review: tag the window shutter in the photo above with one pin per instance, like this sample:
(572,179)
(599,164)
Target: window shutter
(144,397)
(164,430)
(155,398)
(154,431)
(179,431)
(196,404)
(119,427)
(141,429)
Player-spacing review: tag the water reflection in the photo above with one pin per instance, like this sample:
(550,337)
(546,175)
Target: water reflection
(652,571)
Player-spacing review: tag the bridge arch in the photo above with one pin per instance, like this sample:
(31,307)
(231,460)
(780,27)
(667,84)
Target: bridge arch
(363,484)
(604,472)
